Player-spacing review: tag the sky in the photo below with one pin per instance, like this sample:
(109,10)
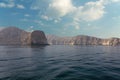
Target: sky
(100,18)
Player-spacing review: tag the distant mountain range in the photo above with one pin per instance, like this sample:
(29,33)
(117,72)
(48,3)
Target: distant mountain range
(13,35)
(82,40)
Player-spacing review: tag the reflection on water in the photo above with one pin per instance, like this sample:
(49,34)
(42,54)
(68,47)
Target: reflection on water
(59,63)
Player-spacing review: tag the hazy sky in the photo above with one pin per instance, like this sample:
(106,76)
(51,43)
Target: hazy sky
(99,18)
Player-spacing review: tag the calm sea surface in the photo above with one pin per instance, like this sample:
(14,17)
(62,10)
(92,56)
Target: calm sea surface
(59,62)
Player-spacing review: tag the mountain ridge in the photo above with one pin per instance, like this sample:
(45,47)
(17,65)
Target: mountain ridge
(16,36)
(82,40)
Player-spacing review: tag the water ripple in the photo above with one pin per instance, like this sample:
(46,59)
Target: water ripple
(60,63)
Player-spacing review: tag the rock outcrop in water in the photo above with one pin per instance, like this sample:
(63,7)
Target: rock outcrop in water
(38,38)
(16,36)
(82,40)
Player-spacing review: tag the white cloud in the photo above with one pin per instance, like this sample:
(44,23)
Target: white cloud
(40,4)
(31,26)
(116,17)
(24,20)
(77,27)
(2,5)
(38,22)
(34,8)
(115,0)
(88,24)
(10,4)
(59,8)
(90,11)
(57,20)
(20,6)
(45,17)
(27,15)
(7,5)
(30,29)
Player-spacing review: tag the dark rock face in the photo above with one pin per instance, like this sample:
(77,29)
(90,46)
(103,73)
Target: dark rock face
(16,36)
(38,38)
(82,40)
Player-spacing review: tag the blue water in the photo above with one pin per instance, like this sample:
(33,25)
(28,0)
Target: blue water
(59,63)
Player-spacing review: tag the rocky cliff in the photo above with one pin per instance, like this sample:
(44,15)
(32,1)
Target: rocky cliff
(16,36)
(38,38)
(82,40)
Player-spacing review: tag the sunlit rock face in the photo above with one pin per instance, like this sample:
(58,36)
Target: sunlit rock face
(111,42)
(55,40)
(82,40)
(87,40)
(16,36)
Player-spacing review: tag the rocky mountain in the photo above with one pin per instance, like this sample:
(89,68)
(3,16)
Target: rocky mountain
(16,36)
(82,40)
(38,37)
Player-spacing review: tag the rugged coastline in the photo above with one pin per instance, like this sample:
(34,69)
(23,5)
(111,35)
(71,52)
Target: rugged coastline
(16,36)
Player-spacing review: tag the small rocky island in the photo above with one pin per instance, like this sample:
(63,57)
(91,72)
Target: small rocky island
(16,36)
